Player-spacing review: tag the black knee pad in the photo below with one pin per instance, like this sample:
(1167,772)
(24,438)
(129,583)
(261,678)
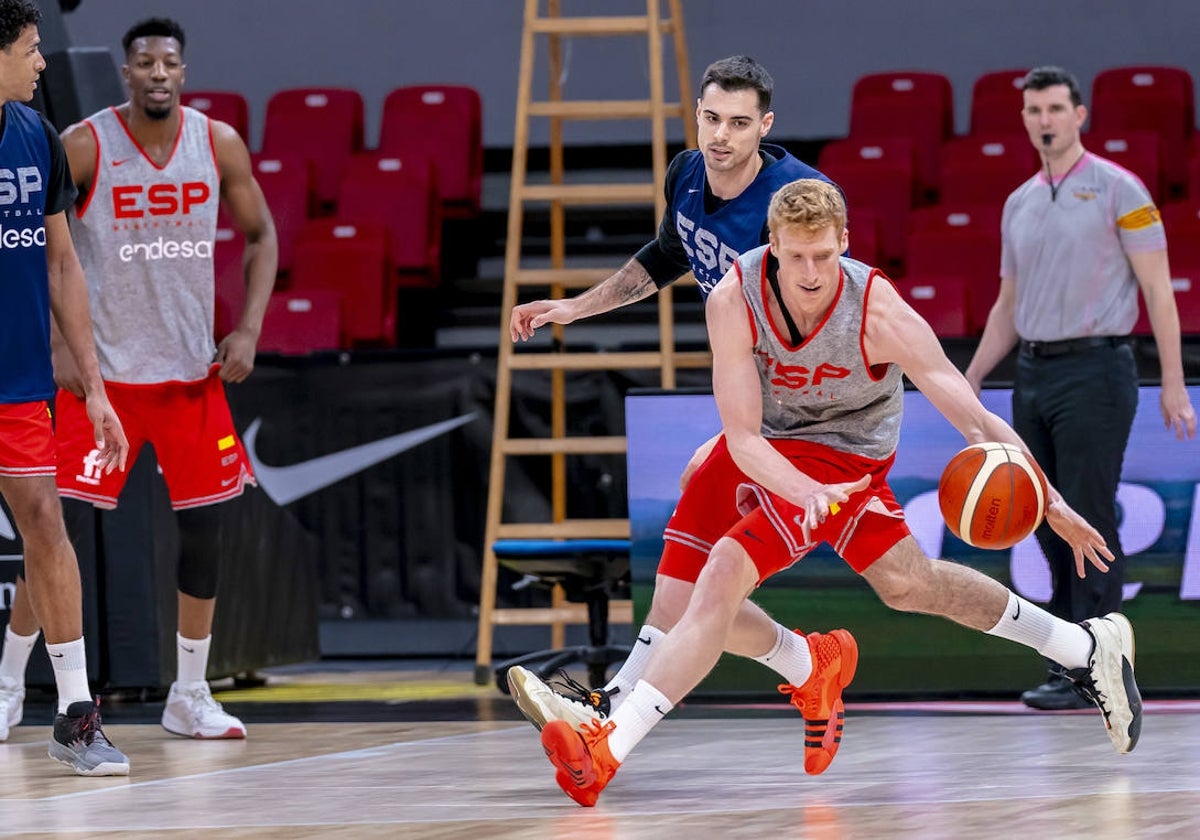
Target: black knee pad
(200,551)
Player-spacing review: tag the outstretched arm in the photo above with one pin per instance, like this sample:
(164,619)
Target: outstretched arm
(896,334)
(628,284)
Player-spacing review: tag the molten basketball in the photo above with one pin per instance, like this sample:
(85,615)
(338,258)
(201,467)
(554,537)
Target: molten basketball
(992,495)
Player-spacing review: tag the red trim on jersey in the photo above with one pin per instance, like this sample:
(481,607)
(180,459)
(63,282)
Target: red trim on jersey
(862,330)
(134,140)
(785,340)
(212,147)
(81,203)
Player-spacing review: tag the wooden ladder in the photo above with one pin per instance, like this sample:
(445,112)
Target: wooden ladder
(558,279)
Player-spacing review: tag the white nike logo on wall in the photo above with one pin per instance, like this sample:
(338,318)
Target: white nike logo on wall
(295,481)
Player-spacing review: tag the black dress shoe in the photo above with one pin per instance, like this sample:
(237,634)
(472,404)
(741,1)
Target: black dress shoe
(1055,694)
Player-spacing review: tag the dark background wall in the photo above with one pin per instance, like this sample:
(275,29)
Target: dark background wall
(814,49)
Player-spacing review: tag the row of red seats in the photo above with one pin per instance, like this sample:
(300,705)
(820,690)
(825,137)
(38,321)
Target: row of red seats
(919,106)
(441,123)
(354,227)
(879,178)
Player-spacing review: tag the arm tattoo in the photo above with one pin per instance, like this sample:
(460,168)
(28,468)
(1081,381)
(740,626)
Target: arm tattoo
(626,285)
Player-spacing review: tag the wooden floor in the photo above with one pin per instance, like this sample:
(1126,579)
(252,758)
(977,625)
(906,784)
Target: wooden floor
(926,771)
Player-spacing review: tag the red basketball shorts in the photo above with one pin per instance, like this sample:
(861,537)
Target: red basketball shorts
(721,501)
(27,445)
(187,423)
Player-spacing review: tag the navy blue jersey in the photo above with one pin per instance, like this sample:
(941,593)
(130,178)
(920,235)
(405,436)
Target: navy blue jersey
(704,234)
(34,182)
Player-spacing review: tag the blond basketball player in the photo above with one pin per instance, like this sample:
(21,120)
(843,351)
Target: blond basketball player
(808,353)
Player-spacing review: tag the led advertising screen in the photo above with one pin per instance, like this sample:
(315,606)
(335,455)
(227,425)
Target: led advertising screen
(1159,501)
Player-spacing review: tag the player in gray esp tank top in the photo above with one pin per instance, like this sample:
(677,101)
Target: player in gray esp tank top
(823,391)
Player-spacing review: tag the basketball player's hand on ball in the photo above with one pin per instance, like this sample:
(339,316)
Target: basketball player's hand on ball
(1085,541)
(235,355)
(826,500)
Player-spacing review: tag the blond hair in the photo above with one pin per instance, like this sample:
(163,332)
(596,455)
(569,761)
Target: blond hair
(809,204)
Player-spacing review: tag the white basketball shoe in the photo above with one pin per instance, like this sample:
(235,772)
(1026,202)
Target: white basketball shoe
(12,705)
(192,712)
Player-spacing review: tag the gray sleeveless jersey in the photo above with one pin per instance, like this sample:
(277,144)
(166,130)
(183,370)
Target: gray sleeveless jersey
(823,391)
(145,237)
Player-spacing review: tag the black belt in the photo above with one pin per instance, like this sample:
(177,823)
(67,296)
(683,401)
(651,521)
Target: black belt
(1071,345)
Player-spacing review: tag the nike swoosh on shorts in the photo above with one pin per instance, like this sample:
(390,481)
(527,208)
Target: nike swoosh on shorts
(295,481)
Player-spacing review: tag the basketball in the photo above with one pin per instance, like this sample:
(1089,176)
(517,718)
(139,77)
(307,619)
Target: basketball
(992,495)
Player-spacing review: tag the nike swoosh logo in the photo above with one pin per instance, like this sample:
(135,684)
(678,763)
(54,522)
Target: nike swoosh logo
(752,535)
(1017,614)
(644,641)
(287,484)
(188,649)
(121,161)
(58,655)
(660,711)
(696,190)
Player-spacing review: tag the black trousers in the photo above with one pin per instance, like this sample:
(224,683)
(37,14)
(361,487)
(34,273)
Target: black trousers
(1075,411)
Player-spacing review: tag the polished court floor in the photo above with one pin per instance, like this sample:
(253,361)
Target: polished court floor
(420,755)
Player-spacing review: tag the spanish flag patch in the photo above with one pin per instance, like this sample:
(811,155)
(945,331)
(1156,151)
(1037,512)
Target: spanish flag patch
(224,443)
(1143,217)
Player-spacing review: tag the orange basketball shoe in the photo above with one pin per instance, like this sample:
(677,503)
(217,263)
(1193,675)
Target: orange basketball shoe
(581,755)
(834,659)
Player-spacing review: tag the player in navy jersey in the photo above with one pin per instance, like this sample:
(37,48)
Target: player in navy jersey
(717,198)
(40,274)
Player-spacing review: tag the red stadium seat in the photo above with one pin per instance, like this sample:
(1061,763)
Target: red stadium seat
(1186,283)
(1149,98)
(350,258)
(445,123)
(996,103)
(402,197)
(960,243)
(863,226)
(941,302)
(300,322)
(985,169)
(1137,151)
(222,105)
(919,106)
(323,125)
(878,177)
(287,185)
(1182,223)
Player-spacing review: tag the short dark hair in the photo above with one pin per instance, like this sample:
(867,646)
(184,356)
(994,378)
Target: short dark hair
(1040,78)
(740,72)
(154,28)
(15,15)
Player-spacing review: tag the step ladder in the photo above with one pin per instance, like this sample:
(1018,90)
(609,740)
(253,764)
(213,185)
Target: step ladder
(560,194)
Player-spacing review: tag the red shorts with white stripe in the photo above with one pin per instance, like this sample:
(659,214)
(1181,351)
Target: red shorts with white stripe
(721,501)
(190,427)
(26,440)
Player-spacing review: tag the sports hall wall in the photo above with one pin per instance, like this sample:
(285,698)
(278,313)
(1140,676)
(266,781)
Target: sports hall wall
(814,49)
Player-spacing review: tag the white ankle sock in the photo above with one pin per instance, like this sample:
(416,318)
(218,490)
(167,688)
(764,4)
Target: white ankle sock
(1028,624)
(622,683)
(16,655)
(790,657)
(642,709)
(193,658)
(70,672)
